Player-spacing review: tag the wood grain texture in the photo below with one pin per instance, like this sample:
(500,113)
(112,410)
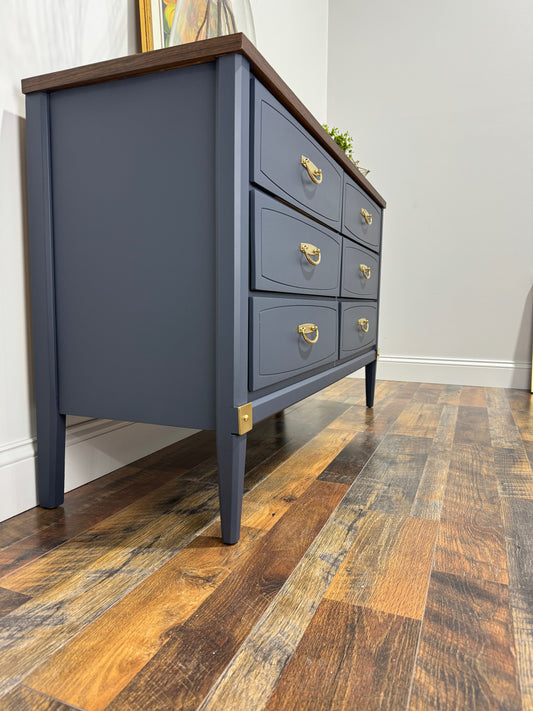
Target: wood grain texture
(473,396)
(118,644)
(389,481)
(349,658)
(521,404)
(10,600)
(247,684)
(263,506)
(418,420)
(24,699)
(466,655)
(430,492)
(472,426)
(185,668)
(320,607)
(518,517)
(373,573)
(471,538)
(79,581)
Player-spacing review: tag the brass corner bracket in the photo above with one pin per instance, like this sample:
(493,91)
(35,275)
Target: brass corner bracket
(245,418)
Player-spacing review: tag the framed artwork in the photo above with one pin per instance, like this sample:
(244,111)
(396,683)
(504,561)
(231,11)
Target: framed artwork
(169,22)
(156,22)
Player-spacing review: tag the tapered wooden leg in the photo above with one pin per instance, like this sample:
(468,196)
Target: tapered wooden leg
(50,456)
(231,456)
(370,382)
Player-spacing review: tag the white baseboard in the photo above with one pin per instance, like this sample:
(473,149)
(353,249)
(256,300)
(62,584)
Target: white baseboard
(93,448)
(454,371)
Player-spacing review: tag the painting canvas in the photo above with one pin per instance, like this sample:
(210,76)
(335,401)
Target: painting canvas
(170,22)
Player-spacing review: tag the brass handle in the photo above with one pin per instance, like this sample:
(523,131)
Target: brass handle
(363,323)
(308,250)
(314,173)
(305,328)
(366,271)
(367,216)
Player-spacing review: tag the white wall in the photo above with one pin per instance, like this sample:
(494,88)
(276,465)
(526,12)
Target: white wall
(439,99)
(293,38)
(39,37)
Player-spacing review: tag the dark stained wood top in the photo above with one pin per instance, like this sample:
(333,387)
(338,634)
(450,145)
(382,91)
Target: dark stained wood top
(198,53)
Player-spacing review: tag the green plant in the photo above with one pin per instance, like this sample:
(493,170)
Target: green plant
(343,140)
(345,143)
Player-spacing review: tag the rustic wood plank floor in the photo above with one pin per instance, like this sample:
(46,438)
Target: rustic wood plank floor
(385,562)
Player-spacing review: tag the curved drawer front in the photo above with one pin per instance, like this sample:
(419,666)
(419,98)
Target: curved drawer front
(358,212)
(360,272)
(284,257)
(279,144)
(353,337)
(278,350)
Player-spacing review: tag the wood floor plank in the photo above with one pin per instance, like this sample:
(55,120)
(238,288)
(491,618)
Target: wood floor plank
(246,683)
(10,600)
(349,658)
(185,668)
(451,395)
(23,699)
(85,584)
(370,426)
(514,472)
(265,504)
(471,539)
(429,393)
(345,467)
(517,516)
(31,547)
(430,492)
(419,419)
(373,573)
(521,403)
(119,643)
(472,426)
(473,396)
(390,480)
(38,520)
(503,428)
(466,654)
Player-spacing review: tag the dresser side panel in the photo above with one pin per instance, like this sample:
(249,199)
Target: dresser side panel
(134,226)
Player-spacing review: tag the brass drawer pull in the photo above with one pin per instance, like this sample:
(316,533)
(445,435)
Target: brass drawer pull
(366,271)
(367,216)
(314,173)
(308,250)
(363,323)
(305,328)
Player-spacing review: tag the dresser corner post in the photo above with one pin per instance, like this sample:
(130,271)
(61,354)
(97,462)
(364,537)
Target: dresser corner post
(50,422)
(232,256)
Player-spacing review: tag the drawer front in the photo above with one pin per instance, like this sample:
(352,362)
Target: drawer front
(279,142)
(358,212)
(278,351)
(353,336)
(284,250)
(360,272)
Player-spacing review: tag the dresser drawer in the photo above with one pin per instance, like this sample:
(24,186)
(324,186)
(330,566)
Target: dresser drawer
(290,252)
(360,272)
(278,350)
(354,336)
(361,218)
(280,144)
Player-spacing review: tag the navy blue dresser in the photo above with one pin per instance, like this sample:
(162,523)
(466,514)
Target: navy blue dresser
(202,253)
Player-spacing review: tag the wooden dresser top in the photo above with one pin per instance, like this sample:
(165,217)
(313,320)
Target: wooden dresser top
(198,53)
